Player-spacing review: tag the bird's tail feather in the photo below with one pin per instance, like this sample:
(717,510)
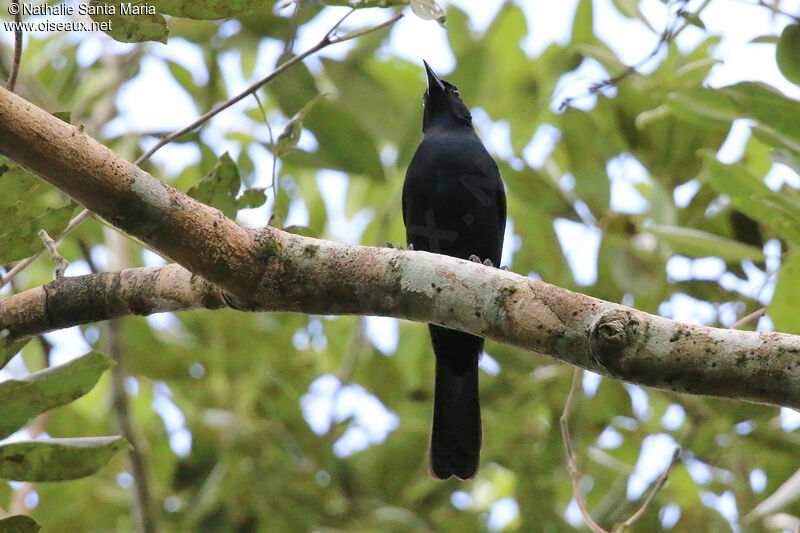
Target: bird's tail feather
(456,433)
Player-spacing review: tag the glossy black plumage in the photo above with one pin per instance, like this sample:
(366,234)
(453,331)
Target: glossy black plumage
(454,204)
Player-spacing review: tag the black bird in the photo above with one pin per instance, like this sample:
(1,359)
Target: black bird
(453,204)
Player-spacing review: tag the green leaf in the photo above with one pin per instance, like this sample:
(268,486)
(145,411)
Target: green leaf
(765,39)
(302,230)
(777,116)
(583,22)
(343,142)
(27,205)
(692,19)
(630,8)
(207,9)
(695,243)
(367,98)
(699,105)
(291,132)
(786,157)
(787,53)
(280,209)
(22,399)
(588,151)
(293,88)
(783,307)
(183,77)
(252,198)
(696,70)
(65,116)
(130,22)
(219,187)
(779,211)
(58,459)
(19,523)
(8,352)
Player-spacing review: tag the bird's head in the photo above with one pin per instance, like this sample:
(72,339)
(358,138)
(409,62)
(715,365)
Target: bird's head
(443,103)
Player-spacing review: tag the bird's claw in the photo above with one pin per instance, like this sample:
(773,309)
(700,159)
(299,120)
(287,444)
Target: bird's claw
(390,245)
(475,259)
(504,267)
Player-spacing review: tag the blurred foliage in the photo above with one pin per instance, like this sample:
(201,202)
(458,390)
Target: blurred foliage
(232,387)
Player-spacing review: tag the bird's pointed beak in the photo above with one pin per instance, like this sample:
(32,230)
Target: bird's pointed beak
(435,85)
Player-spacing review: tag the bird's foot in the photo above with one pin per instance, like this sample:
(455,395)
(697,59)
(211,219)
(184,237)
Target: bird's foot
(504,267)
(398,247)
(475,259)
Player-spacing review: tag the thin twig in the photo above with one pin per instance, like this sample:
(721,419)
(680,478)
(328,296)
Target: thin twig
(50,245)
(74,223)
(662,479)
(11,82)
(327,40)
(775,8)
(144,509)
(749,318)
(272,143)
(572,460)
(670,33)
(576,476)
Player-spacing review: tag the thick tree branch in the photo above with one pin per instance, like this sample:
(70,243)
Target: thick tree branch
(271,270)
(69,301)
(197,236)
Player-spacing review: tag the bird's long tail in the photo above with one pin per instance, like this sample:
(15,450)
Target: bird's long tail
(456,434)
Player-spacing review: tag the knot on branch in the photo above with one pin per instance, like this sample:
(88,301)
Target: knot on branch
(610,335)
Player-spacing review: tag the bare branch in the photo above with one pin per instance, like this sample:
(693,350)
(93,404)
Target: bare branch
(144,511)
(662,479)
(11,82)
(755,315)
(572,461)
(50,245)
